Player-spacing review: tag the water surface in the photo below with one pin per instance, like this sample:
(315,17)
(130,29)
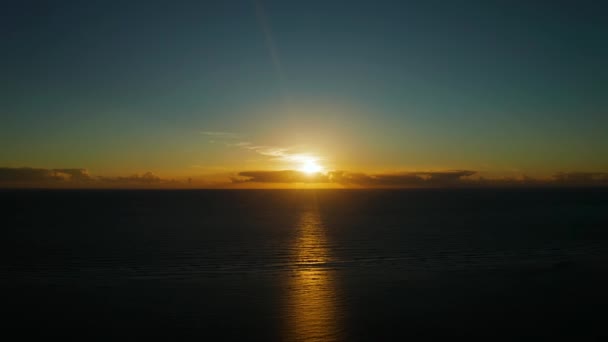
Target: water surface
(308,265)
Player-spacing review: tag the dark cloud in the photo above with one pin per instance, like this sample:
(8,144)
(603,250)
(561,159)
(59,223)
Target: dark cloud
(358,179)
(581,178)
(28,174)
(402,179)
(286,176)
(27,177)
(38,177)
(74,174)
(454,178)
(25,174)
(146,178)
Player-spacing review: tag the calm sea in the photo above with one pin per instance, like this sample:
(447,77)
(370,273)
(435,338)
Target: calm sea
(305,265)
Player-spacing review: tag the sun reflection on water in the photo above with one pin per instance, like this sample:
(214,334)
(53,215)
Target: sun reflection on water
(312,313)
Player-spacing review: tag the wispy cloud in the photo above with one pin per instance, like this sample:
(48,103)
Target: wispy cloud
(221,135)
(277,153)
(273,153)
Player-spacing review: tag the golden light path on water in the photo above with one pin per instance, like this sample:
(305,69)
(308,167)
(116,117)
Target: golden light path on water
(311,303)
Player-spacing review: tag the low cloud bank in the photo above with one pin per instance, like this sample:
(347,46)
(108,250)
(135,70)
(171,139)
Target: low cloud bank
(285,176)
(27,177)
(38,177)
(582,178)
(409,179)
(26,174)
(146,178)
(453,178)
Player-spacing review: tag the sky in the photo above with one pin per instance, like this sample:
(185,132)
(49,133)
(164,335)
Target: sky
(206,92)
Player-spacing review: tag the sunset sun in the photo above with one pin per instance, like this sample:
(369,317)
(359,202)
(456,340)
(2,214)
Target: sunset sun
(310,166)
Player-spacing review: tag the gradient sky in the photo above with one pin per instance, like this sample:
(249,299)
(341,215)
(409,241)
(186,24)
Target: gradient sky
(187,88)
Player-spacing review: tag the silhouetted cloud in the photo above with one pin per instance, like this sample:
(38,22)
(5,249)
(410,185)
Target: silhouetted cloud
(38,177)
(402,179)
(28,174)
(27,177)
(285,176)
(444,178)
(439,179)
(581,178)
(146,178)
(75,174)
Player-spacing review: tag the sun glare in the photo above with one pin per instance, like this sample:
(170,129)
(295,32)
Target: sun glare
(310,166)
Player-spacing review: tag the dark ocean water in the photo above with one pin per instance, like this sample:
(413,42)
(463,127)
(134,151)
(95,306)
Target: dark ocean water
(308,265)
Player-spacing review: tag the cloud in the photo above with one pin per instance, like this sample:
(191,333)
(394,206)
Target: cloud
(581,178)
(28,177)
(427,179)
(38,177)
(280,154)
(221,135)
(411,179)
(146,178)
(403,179)
(28,174)
(285,176)
(75,174)
(274,153)
(269,151)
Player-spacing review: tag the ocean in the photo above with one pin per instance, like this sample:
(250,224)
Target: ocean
(305,265)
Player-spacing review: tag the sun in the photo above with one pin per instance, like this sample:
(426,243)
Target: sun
(310,166)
